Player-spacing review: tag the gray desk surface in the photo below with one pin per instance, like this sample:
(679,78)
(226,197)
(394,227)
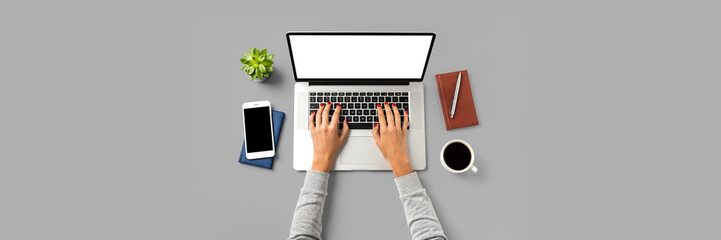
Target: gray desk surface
(598,121)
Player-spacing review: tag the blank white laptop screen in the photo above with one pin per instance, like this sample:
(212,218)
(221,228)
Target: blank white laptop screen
(360,56)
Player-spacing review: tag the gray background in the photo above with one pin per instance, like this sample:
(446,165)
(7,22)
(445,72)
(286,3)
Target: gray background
(598,120)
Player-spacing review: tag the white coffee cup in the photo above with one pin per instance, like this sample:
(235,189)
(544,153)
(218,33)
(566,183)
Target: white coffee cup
(470,165)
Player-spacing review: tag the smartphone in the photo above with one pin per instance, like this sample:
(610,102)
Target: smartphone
(258,125)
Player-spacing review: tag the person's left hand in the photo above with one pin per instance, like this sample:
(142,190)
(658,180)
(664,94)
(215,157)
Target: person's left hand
(326,139)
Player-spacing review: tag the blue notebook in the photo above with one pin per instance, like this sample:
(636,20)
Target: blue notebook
(265,162)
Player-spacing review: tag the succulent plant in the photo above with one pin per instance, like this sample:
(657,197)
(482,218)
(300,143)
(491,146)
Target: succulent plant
(257,63)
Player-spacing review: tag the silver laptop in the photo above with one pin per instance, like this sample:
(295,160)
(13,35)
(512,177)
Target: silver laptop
(359,70)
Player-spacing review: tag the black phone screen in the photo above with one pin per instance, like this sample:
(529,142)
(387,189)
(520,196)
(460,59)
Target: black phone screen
(257,129)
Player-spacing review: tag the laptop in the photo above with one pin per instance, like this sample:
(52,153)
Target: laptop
(359,70)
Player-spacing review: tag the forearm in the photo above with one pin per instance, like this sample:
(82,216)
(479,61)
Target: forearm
(401,167)
(308,216)
(321,163)
(420,215)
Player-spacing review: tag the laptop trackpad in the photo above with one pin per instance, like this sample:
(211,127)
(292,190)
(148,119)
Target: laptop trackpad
(360,150)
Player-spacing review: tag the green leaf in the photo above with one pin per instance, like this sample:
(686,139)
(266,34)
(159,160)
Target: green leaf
(244,67)
(256,52)
(264,52)
(270,69)
(270,56)
(267,62)
(245,55)
(252,69)
(243,60)
(261,68)
(250,52)
(261,59)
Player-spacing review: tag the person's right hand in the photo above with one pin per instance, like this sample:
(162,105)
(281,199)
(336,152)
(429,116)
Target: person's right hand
(390,136)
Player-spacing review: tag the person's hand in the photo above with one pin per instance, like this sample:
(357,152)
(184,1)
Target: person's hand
(326,139)
(390,136)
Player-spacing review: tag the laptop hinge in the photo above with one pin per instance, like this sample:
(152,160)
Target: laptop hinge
(352,82)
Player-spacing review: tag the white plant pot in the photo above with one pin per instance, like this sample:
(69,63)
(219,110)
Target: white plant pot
(262,79)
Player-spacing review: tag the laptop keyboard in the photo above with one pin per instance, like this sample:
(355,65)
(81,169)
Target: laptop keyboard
(359,108)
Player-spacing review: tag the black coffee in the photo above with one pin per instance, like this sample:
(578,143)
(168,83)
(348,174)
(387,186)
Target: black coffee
(457,156)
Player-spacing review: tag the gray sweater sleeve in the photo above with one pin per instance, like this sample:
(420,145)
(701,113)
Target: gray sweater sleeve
(308,216)
(420,215)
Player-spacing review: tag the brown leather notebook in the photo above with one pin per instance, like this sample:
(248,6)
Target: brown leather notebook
(465,114)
